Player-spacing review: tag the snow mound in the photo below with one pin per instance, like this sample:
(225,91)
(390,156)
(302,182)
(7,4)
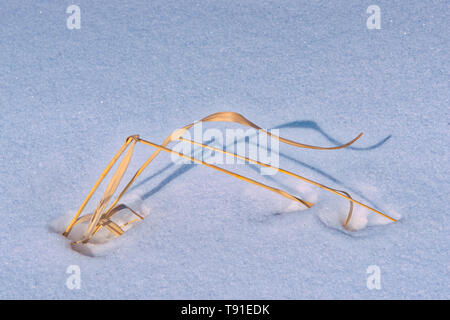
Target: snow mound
(103,241)
(333,213)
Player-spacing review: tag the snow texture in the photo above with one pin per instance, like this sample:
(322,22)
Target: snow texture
(312,69)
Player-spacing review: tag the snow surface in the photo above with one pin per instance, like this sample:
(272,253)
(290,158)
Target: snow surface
(69,98)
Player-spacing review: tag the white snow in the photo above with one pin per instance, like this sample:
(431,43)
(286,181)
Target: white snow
(69,98)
